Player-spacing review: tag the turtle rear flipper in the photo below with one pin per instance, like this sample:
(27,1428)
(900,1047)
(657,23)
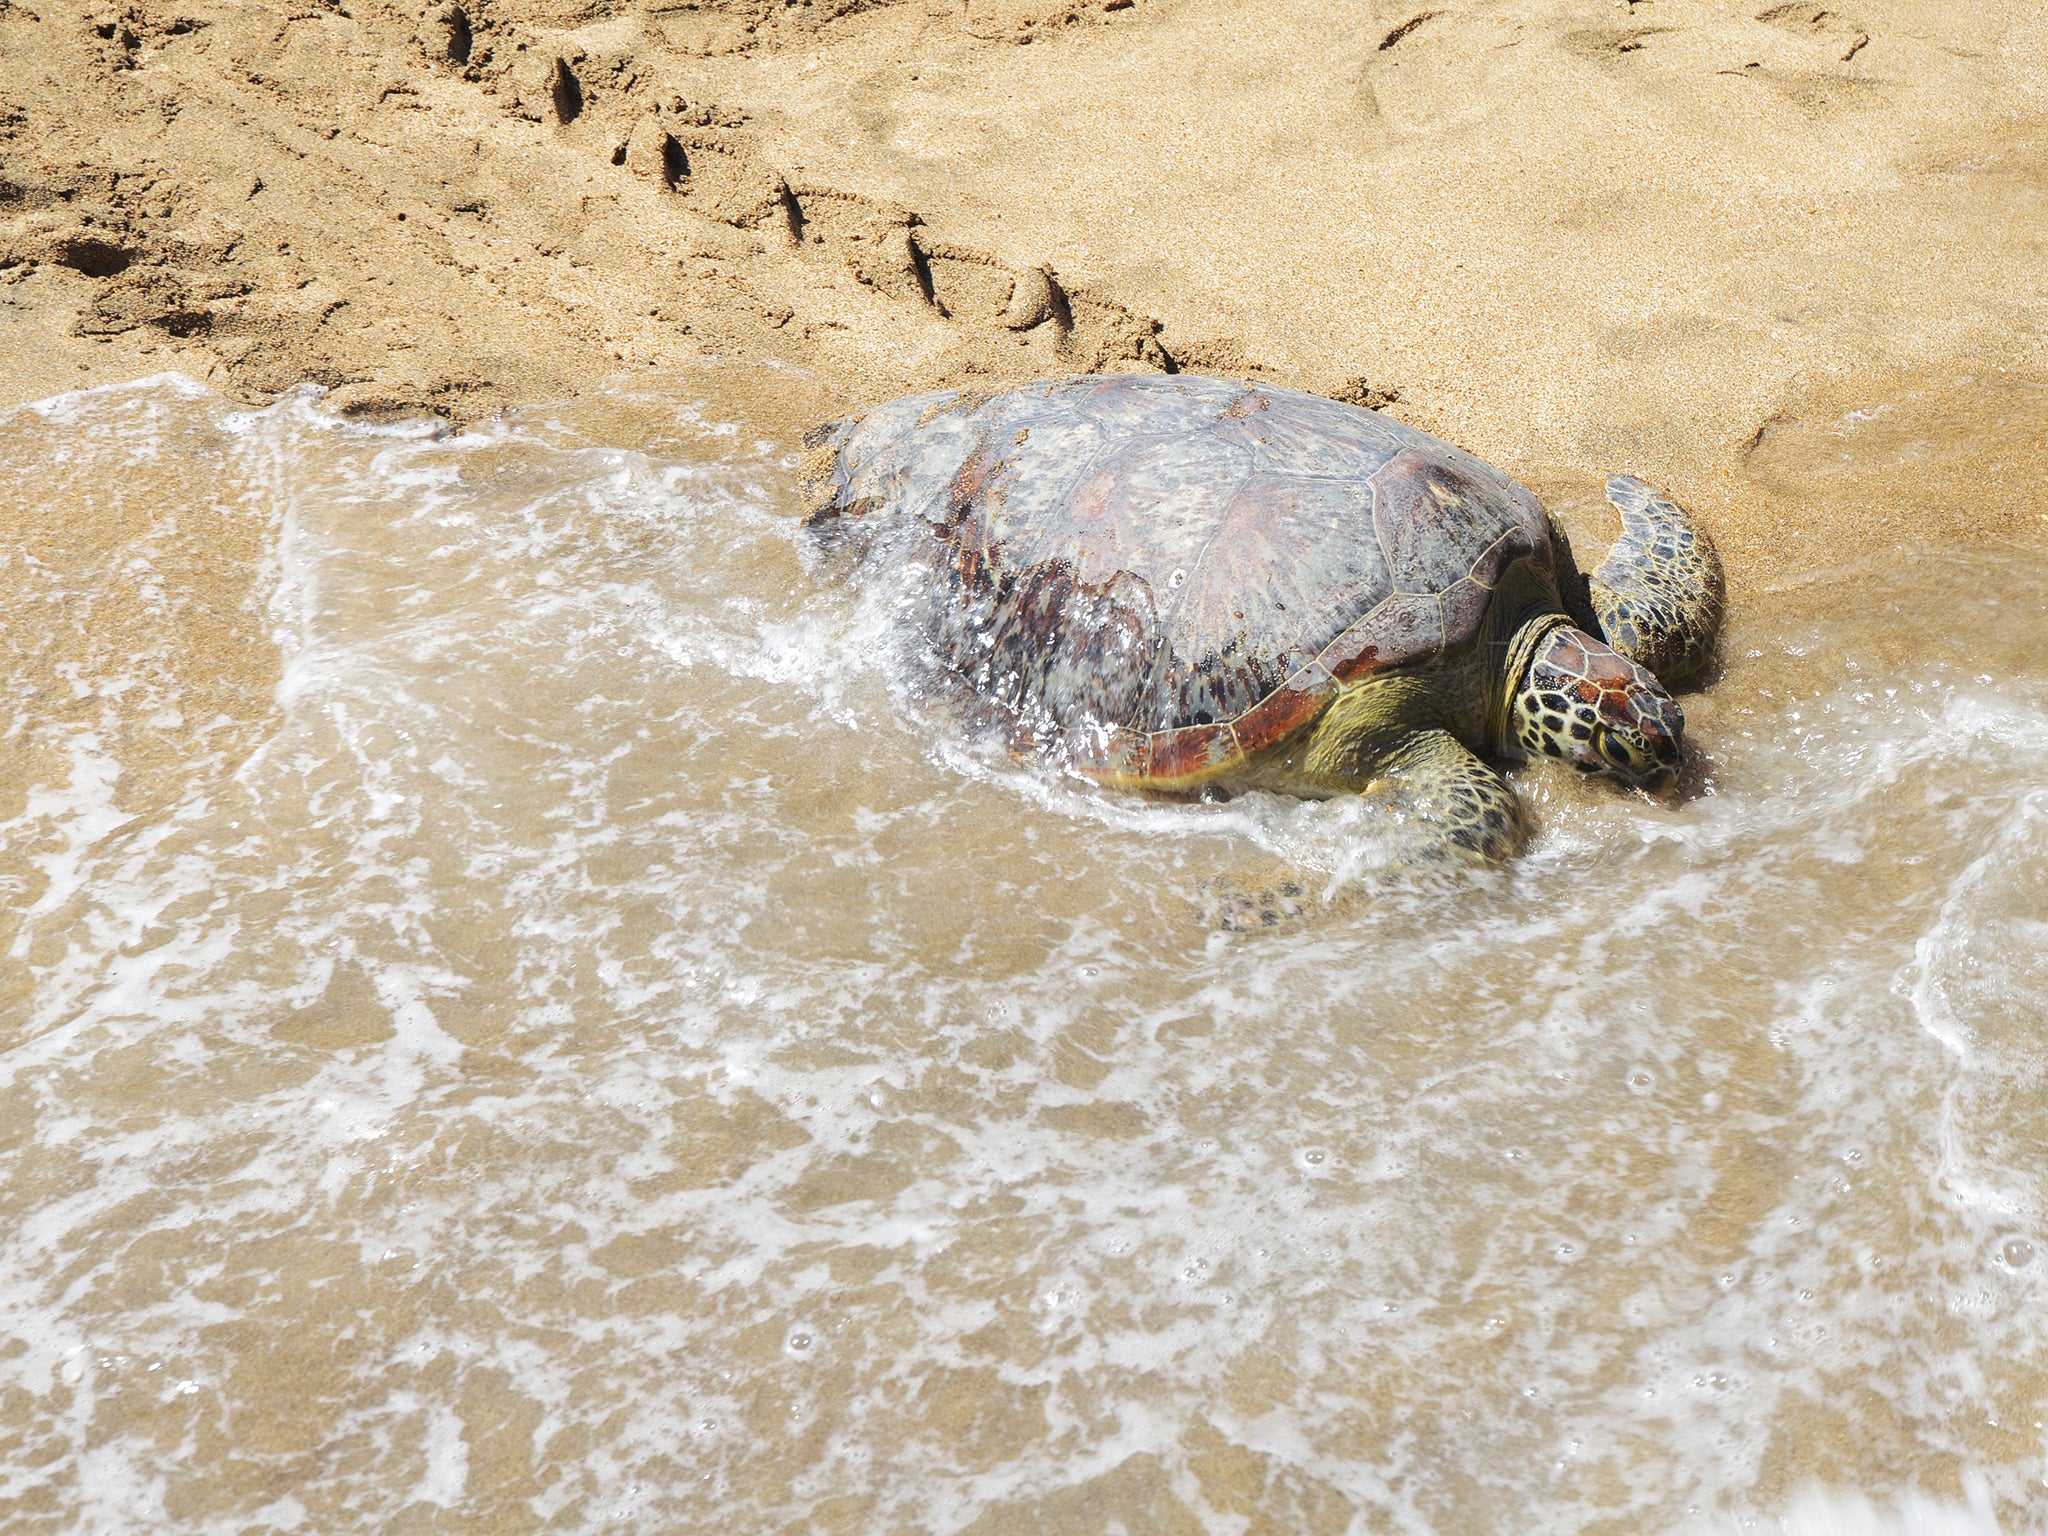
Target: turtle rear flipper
(1658,597)
(820,477)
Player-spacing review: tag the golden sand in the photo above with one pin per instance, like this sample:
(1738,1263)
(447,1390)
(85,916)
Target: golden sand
(1686,239)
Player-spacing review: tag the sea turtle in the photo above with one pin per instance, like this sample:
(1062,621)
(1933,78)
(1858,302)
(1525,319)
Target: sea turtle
(1173,583)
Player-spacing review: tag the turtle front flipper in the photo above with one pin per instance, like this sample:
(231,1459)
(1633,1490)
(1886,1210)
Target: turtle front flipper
(1266,895)
(1459,808)
(1658,597)
(1458,811)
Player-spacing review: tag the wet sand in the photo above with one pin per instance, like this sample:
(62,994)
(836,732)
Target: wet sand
(554,1038)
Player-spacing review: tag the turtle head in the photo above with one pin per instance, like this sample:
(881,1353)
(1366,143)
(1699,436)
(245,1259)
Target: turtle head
(1586,704)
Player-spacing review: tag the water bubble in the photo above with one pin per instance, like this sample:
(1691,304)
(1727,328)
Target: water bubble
(799,1342)
(1314,1157)
(2017,1252)
(1641,1080)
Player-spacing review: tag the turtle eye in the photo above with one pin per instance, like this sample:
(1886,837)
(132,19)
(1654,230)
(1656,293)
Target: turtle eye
(1616,748)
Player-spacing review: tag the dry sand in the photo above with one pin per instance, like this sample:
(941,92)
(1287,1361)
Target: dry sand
(1785,260)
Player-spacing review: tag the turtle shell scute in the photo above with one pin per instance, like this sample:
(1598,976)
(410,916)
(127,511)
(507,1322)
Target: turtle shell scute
(1408,626)
(1132,404)
(1306,435)
(1433,520)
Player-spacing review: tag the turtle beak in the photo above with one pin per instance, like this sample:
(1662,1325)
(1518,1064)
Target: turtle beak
(1664,732)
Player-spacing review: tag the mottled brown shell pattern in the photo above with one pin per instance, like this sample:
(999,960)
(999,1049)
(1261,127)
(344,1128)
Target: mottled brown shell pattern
(1158,576)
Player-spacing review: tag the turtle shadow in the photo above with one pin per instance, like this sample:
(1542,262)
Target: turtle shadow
(1711,673)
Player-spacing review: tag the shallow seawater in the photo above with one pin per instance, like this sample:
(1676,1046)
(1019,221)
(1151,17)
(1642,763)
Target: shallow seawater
(509,1022)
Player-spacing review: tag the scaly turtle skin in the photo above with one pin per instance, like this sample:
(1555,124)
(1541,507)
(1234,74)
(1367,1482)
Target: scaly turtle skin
(1173,582)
